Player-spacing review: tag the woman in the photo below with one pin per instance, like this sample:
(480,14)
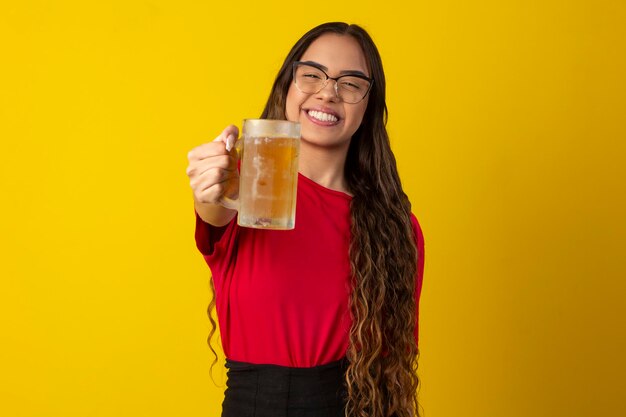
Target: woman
(320,320)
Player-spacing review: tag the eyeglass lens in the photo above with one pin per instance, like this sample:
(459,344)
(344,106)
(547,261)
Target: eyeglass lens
(311,80)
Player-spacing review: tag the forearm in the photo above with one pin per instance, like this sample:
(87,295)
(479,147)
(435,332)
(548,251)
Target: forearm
(214,214)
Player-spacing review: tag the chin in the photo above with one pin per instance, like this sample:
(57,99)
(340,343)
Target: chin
(323,141)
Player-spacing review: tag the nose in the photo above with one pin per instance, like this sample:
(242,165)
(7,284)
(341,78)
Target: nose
(330,89)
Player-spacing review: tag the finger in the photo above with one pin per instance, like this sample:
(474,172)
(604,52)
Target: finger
(228,137)
(210,195)
(210,177)
(221,145)
(207,150)
(214,192)
(197,167)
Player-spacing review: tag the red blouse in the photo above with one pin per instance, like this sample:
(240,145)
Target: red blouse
(282,296)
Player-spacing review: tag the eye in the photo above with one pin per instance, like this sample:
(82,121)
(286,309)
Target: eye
(307,74)
(312,75)
(352,84)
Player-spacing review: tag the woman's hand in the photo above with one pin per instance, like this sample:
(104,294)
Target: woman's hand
(212,169)
(213,175)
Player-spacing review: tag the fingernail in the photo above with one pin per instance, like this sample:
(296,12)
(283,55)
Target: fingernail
(230,141)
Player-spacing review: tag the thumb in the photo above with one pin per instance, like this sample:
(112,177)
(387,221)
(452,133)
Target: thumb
(228,137)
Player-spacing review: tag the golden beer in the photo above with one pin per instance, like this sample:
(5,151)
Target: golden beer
(269,174)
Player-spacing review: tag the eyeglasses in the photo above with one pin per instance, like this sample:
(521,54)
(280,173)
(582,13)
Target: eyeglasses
(311,79)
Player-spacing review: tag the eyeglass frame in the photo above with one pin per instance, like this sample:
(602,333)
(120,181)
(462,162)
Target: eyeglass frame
(328,77)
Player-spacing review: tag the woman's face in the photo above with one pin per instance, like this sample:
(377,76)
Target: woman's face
(326,120)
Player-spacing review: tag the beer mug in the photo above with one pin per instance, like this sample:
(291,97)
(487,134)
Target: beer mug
(268,174)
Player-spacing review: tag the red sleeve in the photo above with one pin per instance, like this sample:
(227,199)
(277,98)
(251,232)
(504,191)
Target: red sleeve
(207,236)
(216,243)
(419,240)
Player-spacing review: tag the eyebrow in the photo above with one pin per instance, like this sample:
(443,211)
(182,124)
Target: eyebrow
(344,72)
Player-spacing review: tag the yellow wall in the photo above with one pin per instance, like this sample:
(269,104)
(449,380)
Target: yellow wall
(508,120)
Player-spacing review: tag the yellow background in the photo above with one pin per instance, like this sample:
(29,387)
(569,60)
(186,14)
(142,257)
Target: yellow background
(508,121)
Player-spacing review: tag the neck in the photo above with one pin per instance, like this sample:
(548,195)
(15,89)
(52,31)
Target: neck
(324,166)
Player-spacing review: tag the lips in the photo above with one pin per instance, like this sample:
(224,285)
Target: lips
(325,117)
(321,116)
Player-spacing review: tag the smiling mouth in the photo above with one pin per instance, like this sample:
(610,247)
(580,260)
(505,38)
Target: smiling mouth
(322,117)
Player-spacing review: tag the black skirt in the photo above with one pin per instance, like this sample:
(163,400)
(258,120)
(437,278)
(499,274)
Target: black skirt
(280,391)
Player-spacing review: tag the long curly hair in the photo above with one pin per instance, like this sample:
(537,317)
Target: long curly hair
(381,378)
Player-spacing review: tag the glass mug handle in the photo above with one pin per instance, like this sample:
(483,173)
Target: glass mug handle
(233,203)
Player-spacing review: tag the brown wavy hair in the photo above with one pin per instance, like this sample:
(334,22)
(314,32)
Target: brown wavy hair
(381,378)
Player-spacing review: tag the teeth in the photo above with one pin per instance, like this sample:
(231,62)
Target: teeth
(321,116)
